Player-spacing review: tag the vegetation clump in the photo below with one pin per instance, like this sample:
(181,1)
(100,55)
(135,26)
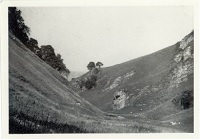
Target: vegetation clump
(91,79)
(184,100)
(47,54)
(91,82)
(32,44)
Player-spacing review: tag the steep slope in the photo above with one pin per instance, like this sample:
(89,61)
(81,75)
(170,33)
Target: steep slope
(150,83)
(42,101)
(37,89)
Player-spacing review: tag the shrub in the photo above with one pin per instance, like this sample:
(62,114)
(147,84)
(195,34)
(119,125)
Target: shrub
(93,78)
(96,71)
(91,82)
(81,84)
(184,100)
(187,99)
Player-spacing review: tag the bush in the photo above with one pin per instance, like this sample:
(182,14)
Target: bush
(96,71)
(81,84)
(187,99)
(91,82)
(184,100)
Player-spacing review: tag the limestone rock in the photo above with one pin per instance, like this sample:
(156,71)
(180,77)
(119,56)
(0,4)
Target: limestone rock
(185,41)
(184,62)
(178,57)
(187,53)
(119,100)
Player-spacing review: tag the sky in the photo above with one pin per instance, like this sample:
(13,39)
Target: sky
(111,35)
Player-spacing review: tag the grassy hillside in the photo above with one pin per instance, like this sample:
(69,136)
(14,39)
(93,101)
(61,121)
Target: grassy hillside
(151,82)
(37,90)
(42,101)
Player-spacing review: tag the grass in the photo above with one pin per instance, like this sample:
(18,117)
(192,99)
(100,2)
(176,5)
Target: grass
(41,101)
(21,123)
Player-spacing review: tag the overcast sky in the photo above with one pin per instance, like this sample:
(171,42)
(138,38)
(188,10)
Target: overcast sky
(111,35)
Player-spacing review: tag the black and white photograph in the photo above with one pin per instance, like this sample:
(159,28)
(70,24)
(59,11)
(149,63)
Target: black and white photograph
(101,69)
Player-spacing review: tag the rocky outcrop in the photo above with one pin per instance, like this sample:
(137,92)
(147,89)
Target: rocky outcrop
(120,79)
(186,40)
(119,101)
(184,61)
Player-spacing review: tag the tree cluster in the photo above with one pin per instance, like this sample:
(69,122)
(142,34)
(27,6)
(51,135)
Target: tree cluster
(47,54)
(32,44)
(91,80)
(17,25)
(22,31)
(92,65)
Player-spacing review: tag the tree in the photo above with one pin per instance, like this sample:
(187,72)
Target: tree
(59,57)
(17,25)
(60,66)
(99,64)
(48,55)
(32,44)
(91,65)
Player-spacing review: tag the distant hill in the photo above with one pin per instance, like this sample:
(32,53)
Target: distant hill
(155,85)
(75,74)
